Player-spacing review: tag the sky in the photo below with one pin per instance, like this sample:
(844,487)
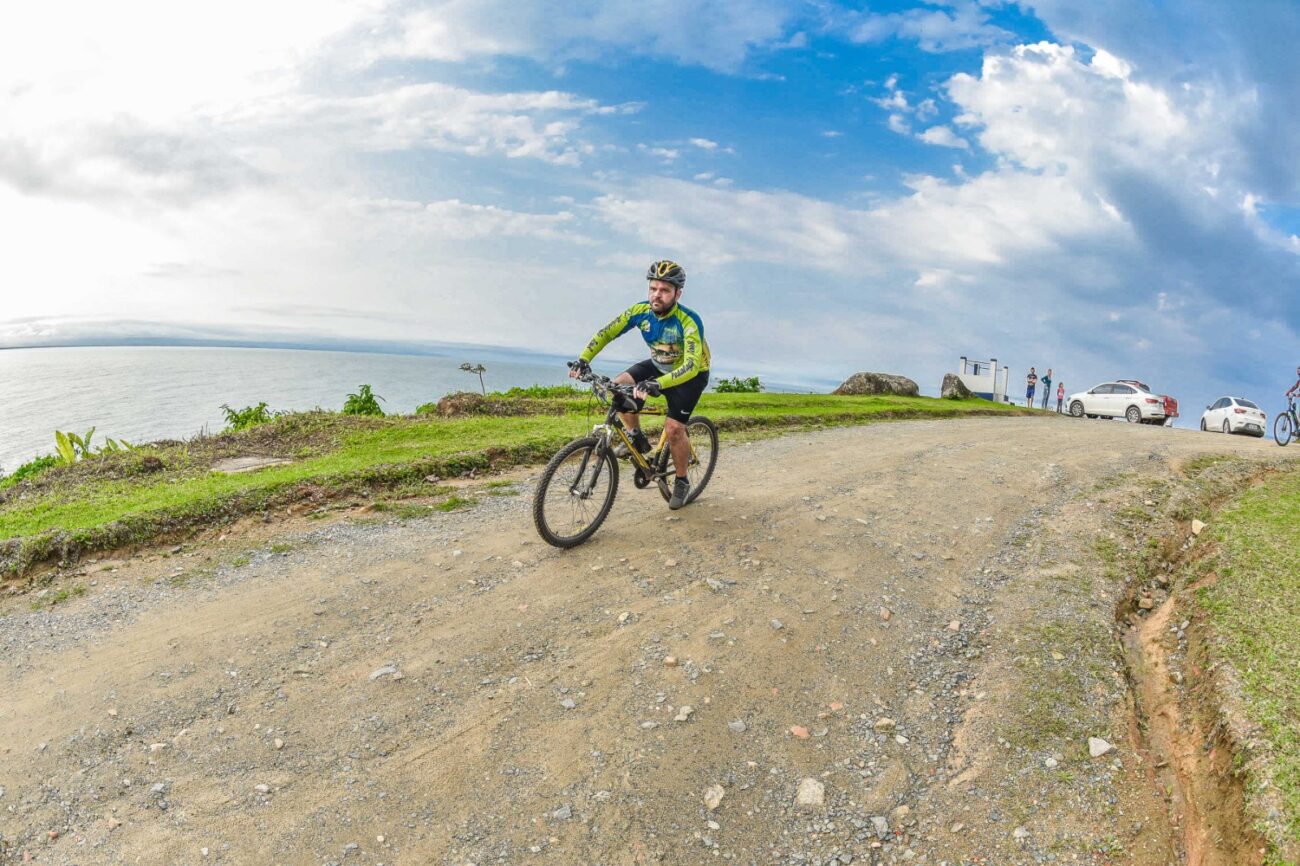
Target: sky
(1109,188)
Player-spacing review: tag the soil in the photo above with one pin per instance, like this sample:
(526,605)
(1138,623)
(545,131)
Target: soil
(911,620)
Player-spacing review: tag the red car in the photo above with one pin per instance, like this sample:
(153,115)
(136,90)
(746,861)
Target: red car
(1171,405)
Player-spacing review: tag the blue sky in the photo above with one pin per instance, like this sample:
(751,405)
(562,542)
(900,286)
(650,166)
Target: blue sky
(1111,189)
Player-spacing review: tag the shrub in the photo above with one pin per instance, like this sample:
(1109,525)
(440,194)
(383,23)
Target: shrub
(541,392)
(738,385)
(363,403)
(249,416)
(427,409)
(30,469)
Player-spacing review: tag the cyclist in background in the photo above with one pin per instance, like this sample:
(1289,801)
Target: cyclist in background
(1295,389)
(678,366)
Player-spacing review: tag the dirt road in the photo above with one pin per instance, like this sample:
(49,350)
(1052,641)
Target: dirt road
(905,624)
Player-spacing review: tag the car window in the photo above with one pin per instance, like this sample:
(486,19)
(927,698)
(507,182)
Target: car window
(1122,389)
(1222,404)
(1248,404)
(1102,389)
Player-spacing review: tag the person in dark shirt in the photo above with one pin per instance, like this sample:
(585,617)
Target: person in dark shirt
(1030,382)
(1047,386)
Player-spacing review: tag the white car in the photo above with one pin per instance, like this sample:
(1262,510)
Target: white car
(1234,415)
(1118,400)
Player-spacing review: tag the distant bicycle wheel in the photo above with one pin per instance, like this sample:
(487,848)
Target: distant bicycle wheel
(1283,428)
(703,436)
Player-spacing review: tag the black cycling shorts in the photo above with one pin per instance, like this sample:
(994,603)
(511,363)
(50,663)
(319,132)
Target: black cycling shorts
(681,398)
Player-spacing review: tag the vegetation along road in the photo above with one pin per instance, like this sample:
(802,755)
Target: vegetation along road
(921,641)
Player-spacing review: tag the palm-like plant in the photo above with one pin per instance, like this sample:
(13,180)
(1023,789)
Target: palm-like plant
(476,368)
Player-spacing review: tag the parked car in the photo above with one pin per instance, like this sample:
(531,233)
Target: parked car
(1234,415)
(1131,401)
(1171,405)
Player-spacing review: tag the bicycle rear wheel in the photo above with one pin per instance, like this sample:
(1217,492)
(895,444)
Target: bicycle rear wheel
(575,493)
(1283,428)
(703,436)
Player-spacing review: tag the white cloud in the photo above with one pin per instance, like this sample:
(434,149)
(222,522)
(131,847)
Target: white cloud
(704,143)
(1041,106)
(943,137)
(718,34)
(965,25)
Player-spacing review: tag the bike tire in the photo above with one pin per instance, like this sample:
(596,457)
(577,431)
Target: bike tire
(1283,429)
(555,481)
(703,433)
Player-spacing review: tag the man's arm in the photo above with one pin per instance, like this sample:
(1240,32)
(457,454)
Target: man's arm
(692,357)
(621,325)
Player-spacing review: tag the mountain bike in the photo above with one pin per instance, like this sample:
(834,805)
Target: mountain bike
(578,485)
(1285,424)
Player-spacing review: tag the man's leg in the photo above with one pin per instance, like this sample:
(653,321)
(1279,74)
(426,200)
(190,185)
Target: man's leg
(679,445)
(630,420)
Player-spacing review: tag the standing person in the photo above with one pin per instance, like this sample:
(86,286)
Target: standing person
(678,366)
(1030,381)
(1060,396)
(1047,386)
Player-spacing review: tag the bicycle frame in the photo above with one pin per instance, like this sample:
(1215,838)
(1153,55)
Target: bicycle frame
(613,424)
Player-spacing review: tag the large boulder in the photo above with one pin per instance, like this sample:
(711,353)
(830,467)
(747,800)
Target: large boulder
(878,383)
(954,388)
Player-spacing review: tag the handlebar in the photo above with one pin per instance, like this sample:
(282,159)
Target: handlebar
(601,384)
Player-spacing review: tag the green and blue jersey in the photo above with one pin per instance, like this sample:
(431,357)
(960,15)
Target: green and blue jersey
(676,340)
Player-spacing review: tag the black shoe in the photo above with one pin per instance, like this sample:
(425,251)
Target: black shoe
(638,439)
(681,490)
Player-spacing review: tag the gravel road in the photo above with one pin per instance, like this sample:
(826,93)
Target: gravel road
(859,646)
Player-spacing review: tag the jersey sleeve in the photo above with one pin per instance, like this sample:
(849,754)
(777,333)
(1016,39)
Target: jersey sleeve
(692,355)
(621,325)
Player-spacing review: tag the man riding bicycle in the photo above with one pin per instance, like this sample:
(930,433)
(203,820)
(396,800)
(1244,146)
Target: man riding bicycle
(1295,389)
(678,367)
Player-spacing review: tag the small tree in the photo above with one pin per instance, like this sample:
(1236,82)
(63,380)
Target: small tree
(476,368)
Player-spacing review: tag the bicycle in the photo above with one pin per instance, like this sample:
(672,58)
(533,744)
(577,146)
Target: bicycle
(1285,424)
(578,485)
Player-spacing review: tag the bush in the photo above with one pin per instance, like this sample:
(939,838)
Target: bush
(541,392)
(30,469)
(738,385)
(363,403)
(249,416)
(427,409)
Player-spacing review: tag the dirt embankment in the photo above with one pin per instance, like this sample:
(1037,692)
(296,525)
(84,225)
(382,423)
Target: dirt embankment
(864,645)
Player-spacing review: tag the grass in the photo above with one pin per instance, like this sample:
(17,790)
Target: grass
(1254,611)
(168,488)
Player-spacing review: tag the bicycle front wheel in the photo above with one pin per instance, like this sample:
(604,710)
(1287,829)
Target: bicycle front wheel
(703,437)
(575,493)
(1283,428)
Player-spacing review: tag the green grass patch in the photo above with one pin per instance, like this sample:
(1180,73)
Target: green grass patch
(1254,611)
(451,503)
(168,488)
(1055,705)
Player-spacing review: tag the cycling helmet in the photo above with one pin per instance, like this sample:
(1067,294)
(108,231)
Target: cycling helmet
(669,272)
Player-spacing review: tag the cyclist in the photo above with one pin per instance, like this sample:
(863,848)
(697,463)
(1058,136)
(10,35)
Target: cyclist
(678,367)
(1295,389)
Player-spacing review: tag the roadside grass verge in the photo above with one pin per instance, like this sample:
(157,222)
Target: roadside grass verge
(169,488)
(1253,608)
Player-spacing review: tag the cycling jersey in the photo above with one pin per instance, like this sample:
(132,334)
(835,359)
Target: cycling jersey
(676,341)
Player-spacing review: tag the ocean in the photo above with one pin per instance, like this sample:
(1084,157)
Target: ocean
(146,393)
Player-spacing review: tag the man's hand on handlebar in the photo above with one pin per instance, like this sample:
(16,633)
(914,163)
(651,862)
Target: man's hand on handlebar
(648,388)
(578,368)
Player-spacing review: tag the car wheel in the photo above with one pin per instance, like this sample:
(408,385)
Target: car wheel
(1203,427)
(1133,415)
(1227,428)
(1076,409)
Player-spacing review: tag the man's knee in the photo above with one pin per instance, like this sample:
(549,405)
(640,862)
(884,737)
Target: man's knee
(624,378)
(674,427)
